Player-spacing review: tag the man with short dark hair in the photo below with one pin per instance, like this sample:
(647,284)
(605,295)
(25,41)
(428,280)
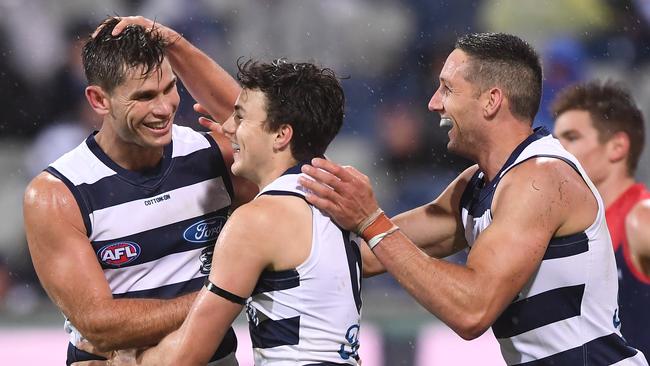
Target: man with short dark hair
(540,271)
(121,229)
(600,124)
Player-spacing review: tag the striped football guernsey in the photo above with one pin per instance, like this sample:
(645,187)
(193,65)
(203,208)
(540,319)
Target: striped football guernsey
(566,314)
(154,231)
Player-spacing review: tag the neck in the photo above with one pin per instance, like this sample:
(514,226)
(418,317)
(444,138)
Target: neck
(613,186)
(498,149)
(126,154)
(274,171)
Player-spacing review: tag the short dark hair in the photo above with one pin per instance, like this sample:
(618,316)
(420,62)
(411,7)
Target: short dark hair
(612,110)
(307,97)
(107,59)
(507,61)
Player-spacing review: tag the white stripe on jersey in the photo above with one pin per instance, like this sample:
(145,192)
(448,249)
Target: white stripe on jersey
(140,221)
(93,169)
(179,267)
(188,141)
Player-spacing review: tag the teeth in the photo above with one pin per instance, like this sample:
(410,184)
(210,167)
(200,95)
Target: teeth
(157,125)
(235,146)
(445,122)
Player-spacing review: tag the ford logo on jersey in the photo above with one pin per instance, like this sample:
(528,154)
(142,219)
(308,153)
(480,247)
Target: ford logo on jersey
(204,230)
(120,253)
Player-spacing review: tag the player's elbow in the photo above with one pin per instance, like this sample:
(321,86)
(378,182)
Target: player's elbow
(101,335)
(473,326)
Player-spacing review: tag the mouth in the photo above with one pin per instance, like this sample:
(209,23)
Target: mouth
(235,147)
(446,122)
(157,125)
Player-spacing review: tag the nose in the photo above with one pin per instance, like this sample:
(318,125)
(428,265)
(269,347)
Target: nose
(164,107)
(435,104)
(228,126)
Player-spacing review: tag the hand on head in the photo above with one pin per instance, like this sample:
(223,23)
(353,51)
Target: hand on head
(168,34)
(344,193)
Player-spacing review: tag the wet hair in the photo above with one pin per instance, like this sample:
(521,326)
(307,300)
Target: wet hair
(506,61)
(611,109)
(307,97)
(108,59)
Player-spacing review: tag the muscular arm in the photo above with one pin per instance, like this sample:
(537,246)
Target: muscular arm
(470,298)
(435,227)
(637,226)
(241,254)
(71,275)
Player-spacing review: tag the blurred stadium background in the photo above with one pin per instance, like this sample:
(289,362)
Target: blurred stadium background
(390,50)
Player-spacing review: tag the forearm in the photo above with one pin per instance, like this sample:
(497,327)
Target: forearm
(453,293)
(133,323)
(206,81)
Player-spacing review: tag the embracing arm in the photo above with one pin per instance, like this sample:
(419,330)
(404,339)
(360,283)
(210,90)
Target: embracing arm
(435,227)
(74,279)
(470,298)
(240,255)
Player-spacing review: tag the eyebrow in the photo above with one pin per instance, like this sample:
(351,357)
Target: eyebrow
(141,93)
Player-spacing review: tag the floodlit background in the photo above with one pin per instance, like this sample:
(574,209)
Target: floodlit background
(390,53)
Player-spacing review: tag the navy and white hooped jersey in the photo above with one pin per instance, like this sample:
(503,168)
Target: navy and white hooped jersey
(309,315)
(567,313)
(153,232)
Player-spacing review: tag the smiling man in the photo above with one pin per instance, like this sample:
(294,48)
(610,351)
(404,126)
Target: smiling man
(540,269)
(121,229)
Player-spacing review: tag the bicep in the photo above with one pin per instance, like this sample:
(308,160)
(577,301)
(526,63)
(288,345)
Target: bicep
(61,252)
(638,229)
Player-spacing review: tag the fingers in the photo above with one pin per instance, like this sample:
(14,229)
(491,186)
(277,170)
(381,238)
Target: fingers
(198,108)
(341,173)
(126,21)
(211,125)
(322,176)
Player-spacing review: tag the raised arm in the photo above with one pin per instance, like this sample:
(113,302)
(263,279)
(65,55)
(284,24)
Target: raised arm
(74,280)
(208,83)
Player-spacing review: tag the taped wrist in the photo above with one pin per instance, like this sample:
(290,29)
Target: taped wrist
(223,293)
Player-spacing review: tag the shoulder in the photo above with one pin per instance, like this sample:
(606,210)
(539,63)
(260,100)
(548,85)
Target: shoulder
(638,218)
(268,214)
(543,173)
(46,198)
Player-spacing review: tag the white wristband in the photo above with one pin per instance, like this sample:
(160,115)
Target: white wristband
(372,243)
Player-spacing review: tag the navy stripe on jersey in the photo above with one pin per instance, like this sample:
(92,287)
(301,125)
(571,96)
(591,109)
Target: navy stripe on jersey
(140,178)
(353,254)
(276,281)
(221,160)
(151,247)
(228,345)
(539,310)
(81,202)
(605,350)
(273,333)
(283,193)
(190,169)
(165,292)
(567,246)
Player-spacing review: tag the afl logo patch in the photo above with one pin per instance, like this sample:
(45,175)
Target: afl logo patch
(120,253)
(205,230)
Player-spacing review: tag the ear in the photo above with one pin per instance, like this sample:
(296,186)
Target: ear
(493,99)
(283,137)
(98,99)
(618,147)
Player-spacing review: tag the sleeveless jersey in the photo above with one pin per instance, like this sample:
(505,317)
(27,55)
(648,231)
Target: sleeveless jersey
(153,232)
(633,285)
(566,314)
(309,315)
